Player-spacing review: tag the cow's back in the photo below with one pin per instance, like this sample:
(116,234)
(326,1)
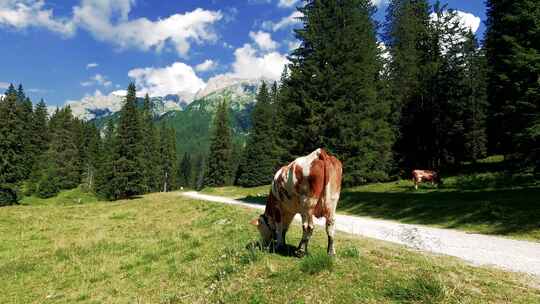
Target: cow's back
(314,179)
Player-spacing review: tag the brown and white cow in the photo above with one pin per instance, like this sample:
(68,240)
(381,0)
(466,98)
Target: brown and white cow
(425,175)
(310,186)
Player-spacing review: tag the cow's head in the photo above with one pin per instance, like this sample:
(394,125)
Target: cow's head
(266,228)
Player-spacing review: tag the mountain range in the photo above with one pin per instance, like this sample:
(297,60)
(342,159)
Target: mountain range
(190,116)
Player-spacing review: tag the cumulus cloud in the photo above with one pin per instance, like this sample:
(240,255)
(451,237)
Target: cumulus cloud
(107,20)
(97,80)
(263,40)
(249,64)
(285,22)
(92,65)
(178,78)
(205,66)
(21,14)
(469,20)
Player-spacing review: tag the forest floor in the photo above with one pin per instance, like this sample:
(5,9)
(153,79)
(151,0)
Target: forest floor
(165,248)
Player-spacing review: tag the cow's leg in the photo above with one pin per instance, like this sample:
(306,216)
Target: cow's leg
(281,230)
(330,227)
(307,231)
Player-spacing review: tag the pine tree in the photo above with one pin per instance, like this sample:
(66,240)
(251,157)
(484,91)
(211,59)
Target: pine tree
(63,157)
(475,95)
(185,171)
(128,179)
(26,137)
(200,170)
(92,149)
(406,35)
(513,57)
(11,149)
(260,159)
(151,154)
(40,142)
(218,171)
(332,90)
(40,129)
(281,108)
(105,169)
(11,91)
(167,146)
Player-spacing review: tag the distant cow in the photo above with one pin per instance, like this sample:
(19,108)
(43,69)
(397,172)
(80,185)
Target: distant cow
(311,186)
(425,175)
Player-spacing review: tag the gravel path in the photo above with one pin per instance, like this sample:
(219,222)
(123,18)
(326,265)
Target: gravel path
(512,255)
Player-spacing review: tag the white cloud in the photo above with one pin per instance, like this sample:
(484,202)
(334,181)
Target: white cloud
(92,65)
(248,64)
(207,65)
(263,40)
(97,80)
(287,3)
(4,85)
(21,14)
(177,78)
(107,20)
(467,20)
(284,23)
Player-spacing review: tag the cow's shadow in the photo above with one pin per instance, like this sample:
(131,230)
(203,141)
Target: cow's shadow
(288,250)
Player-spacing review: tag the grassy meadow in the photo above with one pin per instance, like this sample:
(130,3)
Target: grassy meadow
(480,199)
(163,248)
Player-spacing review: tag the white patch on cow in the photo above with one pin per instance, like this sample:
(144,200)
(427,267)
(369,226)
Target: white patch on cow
(274,186)
(305,161)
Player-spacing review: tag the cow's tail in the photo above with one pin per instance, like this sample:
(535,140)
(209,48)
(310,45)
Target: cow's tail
(321,208)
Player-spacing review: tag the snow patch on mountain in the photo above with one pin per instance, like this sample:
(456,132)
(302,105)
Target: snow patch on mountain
(100,105)
(96,105)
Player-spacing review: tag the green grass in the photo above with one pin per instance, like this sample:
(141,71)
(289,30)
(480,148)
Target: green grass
(485,201)
(162,248)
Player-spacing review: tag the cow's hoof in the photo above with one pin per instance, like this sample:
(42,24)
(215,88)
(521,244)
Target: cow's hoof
(331,254)
(300,253)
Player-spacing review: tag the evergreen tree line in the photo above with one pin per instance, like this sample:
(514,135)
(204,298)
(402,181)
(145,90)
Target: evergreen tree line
(431,97)
(42,155)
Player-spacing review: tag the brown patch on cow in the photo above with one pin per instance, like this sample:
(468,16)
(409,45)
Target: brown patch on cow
(272,208)
(254,222)
(316,178)
(299,175)
(321,209)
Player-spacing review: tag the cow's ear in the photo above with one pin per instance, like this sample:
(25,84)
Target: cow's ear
(254,222)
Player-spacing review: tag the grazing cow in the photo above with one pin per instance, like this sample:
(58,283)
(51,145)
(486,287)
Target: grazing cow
(311,186)
(425,175)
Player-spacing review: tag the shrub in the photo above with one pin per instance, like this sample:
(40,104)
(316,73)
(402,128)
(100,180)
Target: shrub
(8,194)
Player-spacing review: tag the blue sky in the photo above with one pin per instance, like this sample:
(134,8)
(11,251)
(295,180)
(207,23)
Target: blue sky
(64,50)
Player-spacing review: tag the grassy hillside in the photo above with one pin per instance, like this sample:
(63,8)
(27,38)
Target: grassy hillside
(484,200)
(162,248)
